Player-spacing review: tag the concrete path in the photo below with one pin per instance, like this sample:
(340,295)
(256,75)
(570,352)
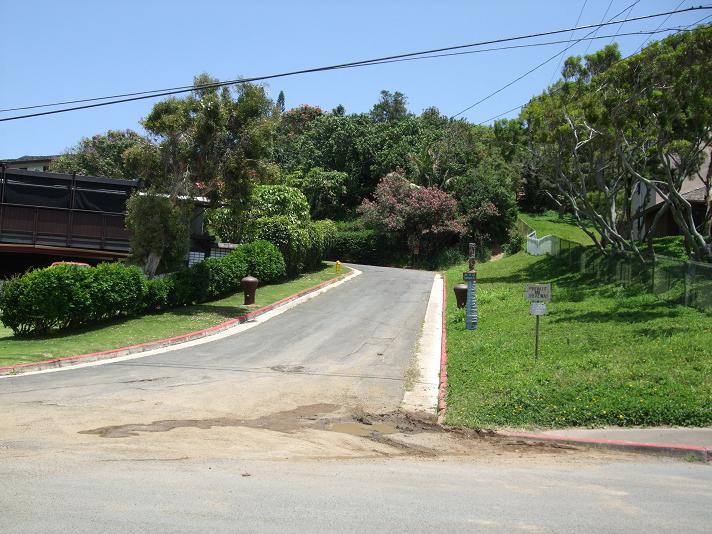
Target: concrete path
(294,425)
(664,435)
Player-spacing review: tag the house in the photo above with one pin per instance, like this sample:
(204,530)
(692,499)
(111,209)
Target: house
(31,163)
(47,217)
(647,203)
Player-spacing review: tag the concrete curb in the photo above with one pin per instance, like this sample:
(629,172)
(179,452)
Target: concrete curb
(442,390)
(422,397)
(697,452)
(161,343)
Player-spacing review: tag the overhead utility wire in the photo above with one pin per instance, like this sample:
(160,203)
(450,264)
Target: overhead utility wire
(663,22)
(571,35)
(630,10)
(528,45)
(527,73)
(602,19)
(676,30)
(185,89)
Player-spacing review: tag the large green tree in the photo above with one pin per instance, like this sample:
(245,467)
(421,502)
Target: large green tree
(102,155)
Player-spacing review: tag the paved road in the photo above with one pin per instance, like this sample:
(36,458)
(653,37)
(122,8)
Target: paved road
(273,430)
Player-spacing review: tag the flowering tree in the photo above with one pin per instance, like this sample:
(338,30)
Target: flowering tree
(424,218)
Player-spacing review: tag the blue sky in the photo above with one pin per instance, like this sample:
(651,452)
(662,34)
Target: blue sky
(53,51)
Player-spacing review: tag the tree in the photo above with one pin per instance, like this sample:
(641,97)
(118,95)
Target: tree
(213,143)
(486,199)
(425,219)
(614,126)
(391,107)
(160,231)
(280,101)
(102,155)
(325,190)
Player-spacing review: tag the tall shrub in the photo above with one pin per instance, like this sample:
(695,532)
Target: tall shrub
(425,219)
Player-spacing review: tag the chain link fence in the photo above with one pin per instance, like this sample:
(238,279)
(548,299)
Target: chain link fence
(673,280)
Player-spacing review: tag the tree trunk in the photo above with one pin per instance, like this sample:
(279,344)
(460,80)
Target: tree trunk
(151,264)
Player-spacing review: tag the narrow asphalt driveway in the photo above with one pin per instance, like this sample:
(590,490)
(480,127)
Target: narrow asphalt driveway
(347,350)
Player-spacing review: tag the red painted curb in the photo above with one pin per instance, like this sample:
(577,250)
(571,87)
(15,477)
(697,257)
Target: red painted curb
(702,452)
(442,390)
(159,343)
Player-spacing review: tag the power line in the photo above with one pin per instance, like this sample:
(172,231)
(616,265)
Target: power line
(602,19)
(142,95)
(578,19)
(676,30)
(663,22)
(630,10)
(537,67)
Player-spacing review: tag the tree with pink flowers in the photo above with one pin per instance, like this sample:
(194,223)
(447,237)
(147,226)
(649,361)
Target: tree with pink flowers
(425,219)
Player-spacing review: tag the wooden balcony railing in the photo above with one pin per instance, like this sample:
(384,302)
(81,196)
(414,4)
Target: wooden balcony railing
(63,227)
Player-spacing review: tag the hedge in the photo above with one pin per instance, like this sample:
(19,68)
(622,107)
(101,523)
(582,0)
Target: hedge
(303,244)
(67,296)
(359,246)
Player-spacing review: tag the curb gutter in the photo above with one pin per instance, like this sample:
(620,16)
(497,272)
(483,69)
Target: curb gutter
(697,452)
(161,343)
(442,393)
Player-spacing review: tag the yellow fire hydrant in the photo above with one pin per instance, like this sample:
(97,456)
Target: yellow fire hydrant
(337,265)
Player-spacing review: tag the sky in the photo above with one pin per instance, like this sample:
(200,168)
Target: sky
(52,51)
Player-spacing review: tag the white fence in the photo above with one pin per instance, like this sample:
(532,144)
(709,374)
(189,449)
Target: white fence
(539,247)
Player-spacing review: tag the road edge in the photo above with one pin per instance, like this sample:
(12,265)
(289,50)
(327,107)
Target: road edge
(697,452)
(421,400)
(442,387)
(68,361)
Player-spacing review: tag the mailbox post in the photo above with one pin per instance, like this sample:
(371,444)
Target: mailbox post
(471,279)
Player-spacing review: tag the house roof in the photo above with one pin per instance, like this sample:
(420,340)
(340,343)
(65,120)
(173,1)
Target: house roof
(29,159)
(696,195)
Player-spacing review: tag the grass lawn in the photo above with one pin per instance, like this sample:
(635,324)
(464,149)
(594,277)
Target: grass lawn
(148,327)
(609,356)
(549,223)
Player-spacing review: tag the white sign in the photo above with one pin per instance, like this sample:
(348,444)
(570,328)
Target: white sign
(537,308)
(538,292)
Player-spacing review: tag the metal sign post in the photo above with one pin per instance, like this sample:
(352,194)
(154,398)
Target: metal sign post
(538,295)
(471,279)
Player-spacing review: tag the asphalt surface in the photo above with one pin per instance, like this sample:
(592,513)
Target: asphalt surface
(294,426)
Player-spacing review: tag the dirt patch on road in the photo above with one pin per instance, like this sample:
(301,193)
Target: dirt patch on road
(288,421)
(393,434)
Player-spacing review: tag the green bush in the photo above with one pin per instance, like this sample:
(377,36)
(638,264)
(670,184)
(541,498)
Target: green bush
(304,245)
(263,261)
(279,201)
(67,296)
(113,290)
(322,236)
(158,294)
(358,246)
(291,238)
(516,242)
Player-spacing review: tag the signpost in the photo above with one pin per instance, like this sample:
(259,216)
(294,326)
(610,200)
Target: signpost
(471,279)
(538,295)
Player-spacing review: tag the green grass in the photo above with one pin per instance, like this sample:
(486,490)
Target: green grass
(609,356)
(134,330)
(673,246)
(549,223)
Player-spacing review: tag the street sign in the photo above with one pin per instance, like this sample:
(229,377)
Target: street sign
(538,308)
(538,295)
(538,292)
